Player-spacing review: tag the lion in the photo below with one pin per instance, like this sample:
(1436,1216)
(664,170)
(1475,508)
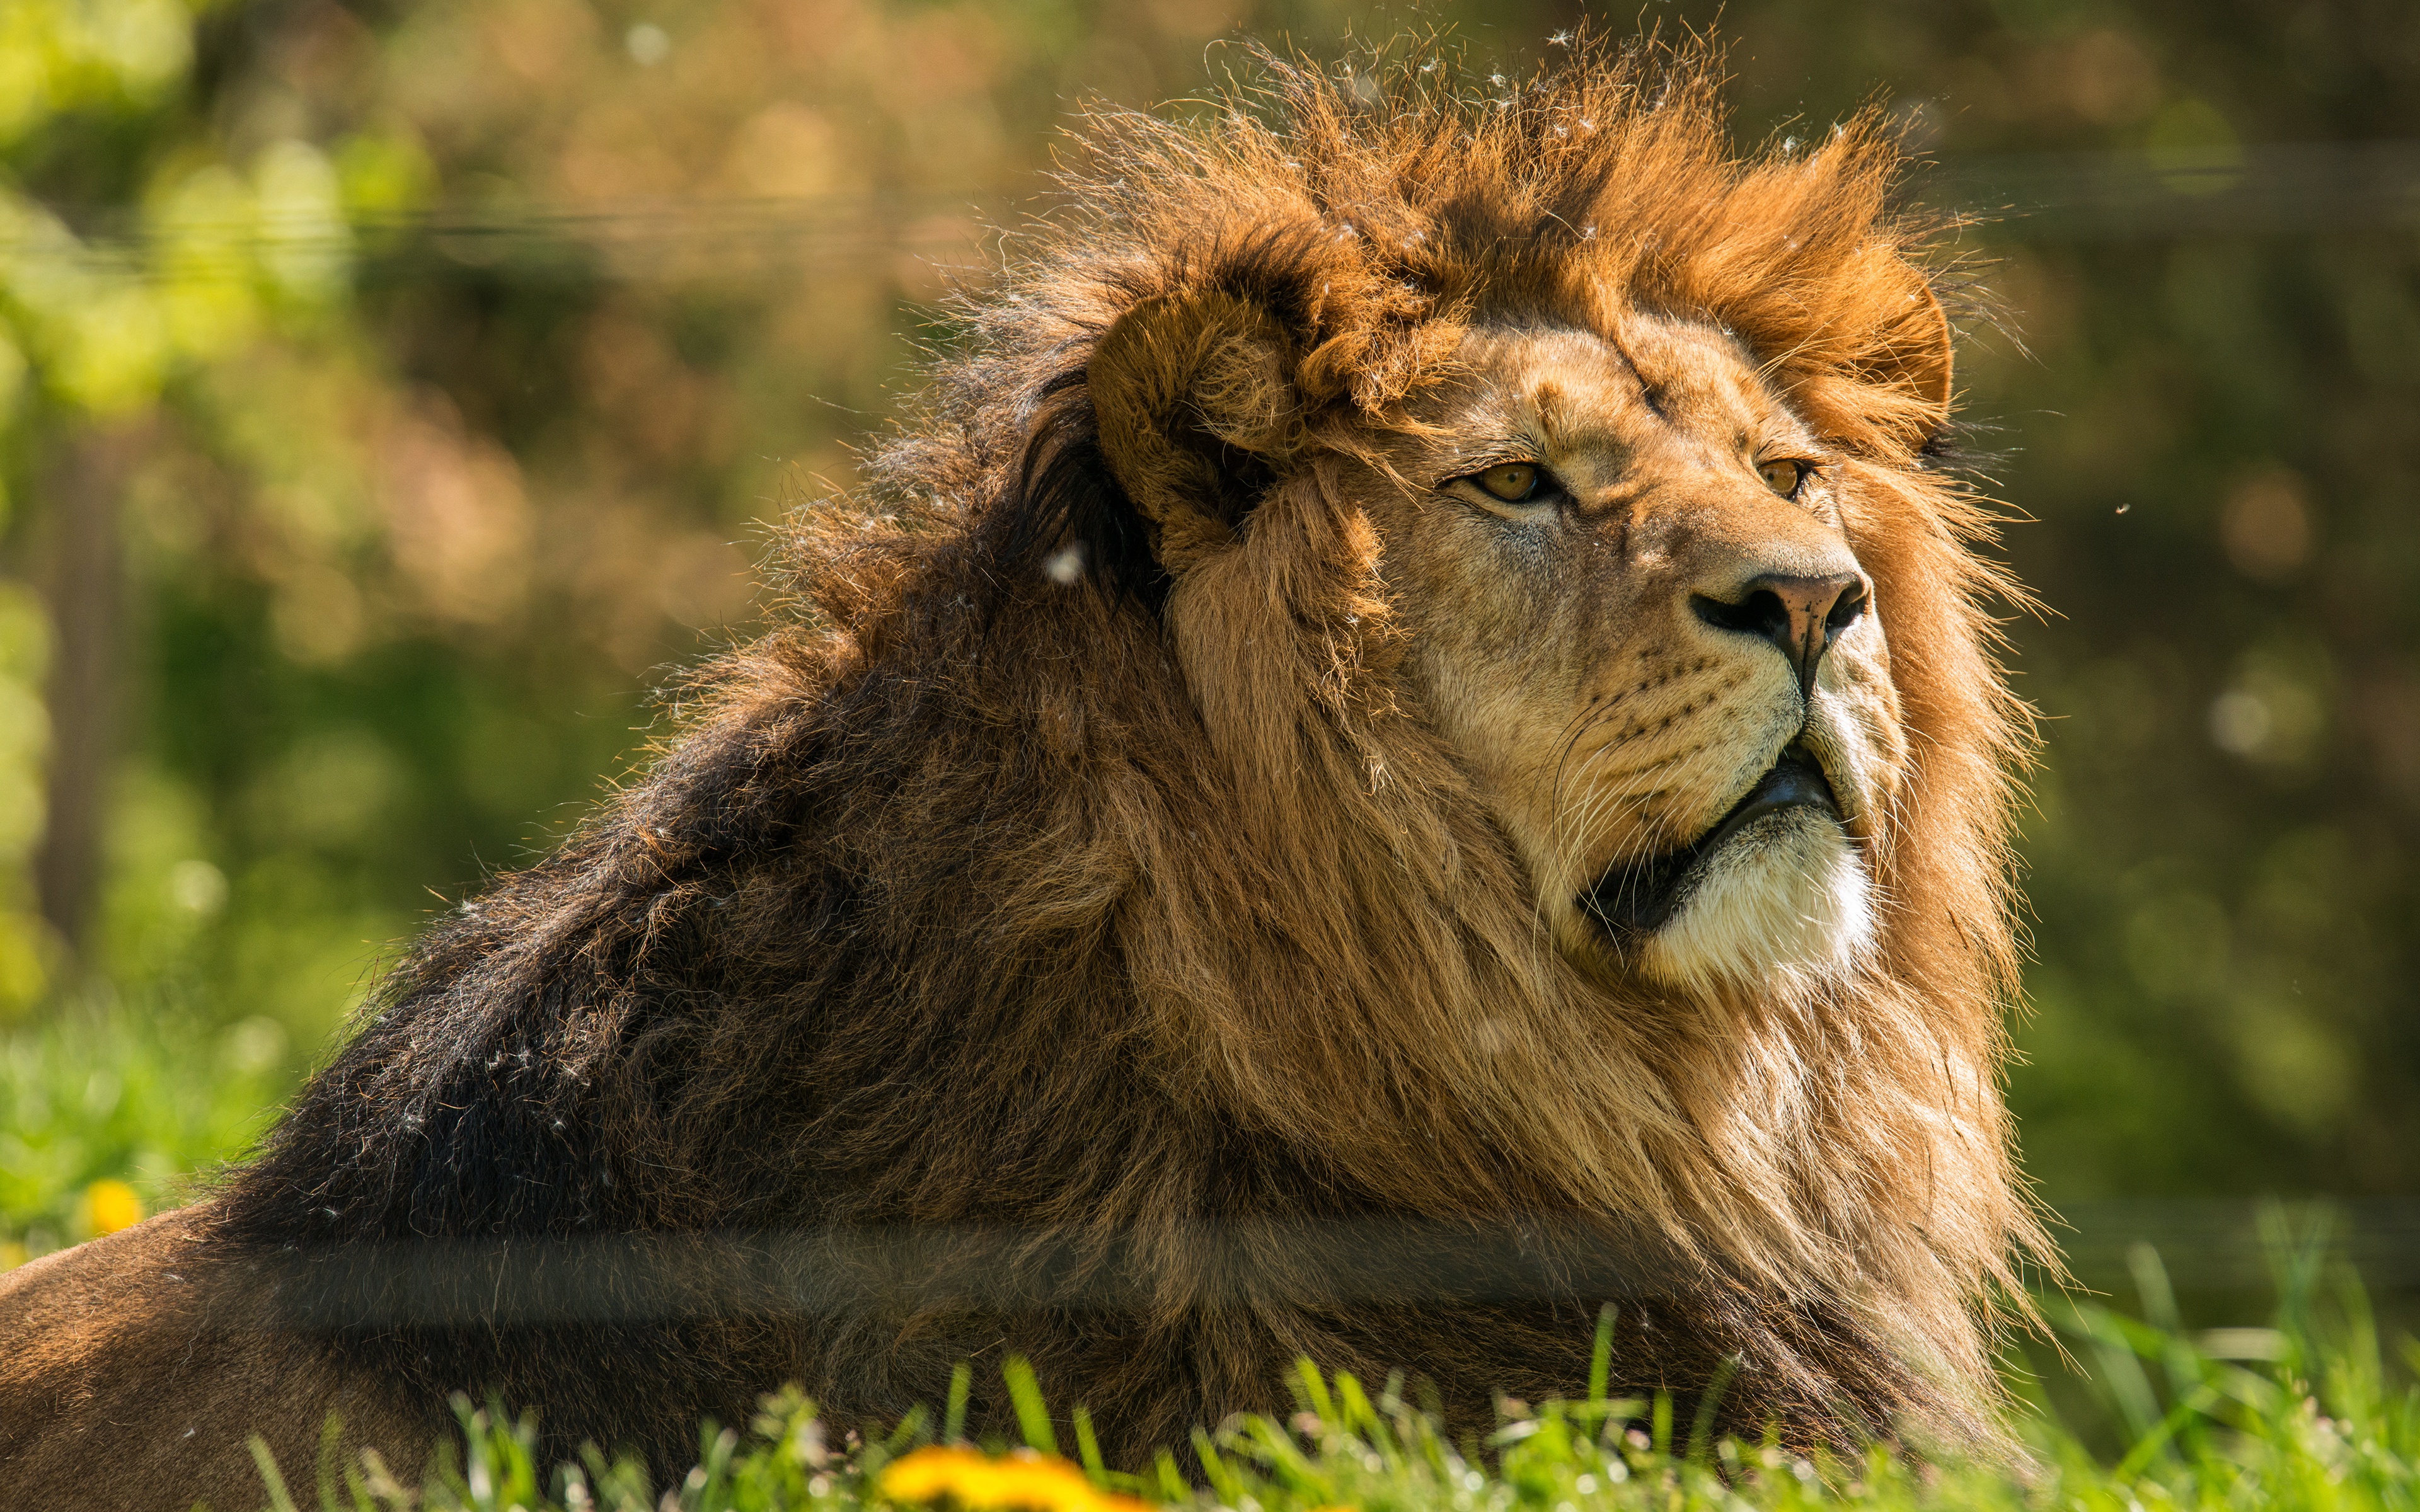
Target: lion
(1405,754)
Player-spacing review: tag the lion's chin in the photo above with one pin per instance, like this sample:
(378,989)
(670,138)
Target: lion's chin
(1786,898)
(1774,895)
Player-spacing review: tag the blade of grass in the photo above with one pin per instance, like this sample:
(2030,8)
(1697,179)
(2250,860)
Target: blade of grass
(953,1424)
(1025,1395)
(1280,1453)
(1314,1388)
(1363,1419)
(1601,1356)
(910,1430)
(2149,1445)
(279,1499)
(1222,1480)
(332,1434)
(1172,1480)
(1087,1448)
(1710,1401)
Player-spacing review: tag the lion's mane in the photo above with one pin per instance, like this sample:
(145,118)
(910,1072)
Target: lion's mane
(1075,884)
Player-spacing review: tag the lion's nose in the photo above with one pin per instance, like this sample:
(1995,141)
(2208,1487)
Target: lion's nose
(1800,616)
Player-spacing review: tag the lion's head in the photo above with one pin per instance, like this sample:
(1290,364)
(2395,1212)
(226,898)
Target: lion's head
(1620,567)
(1621,421)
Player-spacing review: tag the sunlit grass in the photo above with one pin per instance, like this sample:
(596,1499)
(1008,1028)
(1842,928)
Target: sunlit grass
(2315,1427)
(107,1112)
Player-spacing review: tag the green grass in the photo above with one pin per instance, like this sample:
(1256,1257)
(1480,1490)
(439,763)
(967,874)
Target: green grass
(2142,1415)
(2315,1427)
(106,1090)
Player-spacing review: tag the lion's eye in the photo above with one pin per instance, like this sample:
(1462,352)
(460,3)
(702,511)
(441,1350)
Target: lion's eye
(1784,476)
(1514,483)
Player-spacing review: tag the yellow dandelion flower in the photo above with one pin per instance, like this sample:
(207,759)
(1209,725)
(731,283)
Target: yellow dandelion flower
(927,1474)
(111,1205)
(1024,1479)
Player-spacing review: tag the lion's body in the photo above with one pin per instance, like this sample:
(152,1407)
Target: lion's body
(140,1367)
(1112,934)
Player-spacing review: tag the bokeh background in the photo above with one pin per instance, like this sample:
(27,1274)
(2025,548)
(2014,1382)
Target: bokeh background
(391,394)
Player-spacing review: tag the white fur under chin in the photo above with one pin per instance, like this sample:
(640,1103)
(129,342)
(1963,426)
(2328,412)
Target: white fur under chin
(1786,898)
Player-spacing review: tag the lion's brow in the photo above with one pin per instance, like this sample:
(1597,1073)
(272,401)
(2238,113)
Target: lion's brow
(1562,418)
(1546,402)
(1650,395)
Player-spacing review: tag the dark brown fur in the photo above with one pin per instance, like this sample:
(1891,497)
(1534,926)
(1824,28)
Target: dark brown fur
(1064,919)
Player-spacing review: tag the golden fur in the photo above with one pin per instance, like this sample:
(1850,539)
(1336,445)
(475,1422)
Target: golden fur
(1184,803)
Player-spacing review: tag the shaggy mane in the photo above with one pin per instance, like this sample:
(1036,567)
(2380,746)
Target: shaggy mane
(1012,886)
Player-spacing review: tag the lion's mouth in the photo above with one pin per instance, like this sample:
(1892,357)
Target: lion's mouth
(1640,896)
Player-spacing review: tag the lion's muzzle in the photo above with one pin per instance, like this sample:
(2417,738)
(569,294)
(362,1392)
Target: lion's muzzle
(1636,898)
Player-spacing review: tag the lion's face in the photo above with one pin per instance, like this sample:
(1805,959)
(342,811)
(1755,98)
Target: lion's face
(1635,612)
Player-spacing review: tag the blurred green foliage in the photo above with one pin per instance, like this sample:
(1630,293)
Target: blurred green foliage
(432,369)
(159,1099)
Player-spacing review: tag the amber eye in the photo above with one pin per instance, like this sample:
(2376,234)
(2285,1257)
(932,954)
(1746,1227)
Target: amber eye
(1514,483)
(1783,477)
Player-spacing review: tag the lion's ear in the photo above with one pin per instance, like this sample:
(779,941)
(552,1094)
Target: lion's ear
(1196,403)
(1921,347)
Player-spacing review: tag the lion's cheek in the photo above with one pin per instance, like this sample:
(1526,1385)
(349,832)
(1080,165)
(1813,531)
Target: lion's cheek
(1854,728)
(1506,720)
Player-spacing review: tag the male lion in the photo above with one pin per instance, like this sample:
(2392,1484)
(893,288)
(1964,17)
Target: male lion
(1407,748)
